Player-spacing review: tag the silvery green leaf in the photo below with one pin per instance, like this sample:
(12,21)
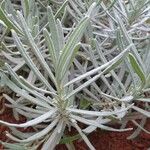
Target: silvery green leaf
(143,100)
(112,97)
(141,125)
(1,22)
(144,112)
(34,47)
(14,146)
(10,9)
(127,98)
(61,9)
(25,5)
(139,128)
(55,137)
(70,60)
(31,122)
(24,94)
(98,113)
(7,22)
(37,135)
(91,9)
(61,34)
(34,87)
(51,47)
(18,82)
(137,68)
(94,123)
(74,38)
(20,106)
(68,49)
(75,8)
(53,30)
(84,137)
(99,120)
(20,134)
(29,61)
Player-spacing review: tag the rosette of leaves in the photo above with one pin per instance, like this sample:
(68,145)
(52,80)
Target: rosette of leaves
(49,103)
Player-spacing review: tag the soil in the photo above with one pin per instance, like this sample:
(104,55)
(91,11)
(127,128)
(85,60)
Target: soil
(102,140)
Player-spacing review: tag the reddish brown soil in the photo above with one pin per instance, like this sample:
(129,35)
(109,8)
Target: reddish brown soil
(101,140)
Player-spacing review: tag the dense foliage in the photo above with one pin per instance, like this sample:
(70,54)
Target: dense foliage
(69,62)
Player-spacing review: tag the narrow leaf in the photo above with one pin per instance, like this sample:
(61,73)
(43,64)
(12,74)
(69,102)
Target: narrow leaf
(35,47)
(7,22)
(14,146)
(137,68)
(28,60)
(68,49)
(61,9)
(31,122)
(84,137)
(36,135)
(144,112)
(51,47)
(94,123)
(98,113)
(53,29)
(25,6)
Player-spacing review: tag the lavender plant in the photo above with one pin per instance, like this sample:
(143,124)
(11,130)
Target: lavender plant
(82,62)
